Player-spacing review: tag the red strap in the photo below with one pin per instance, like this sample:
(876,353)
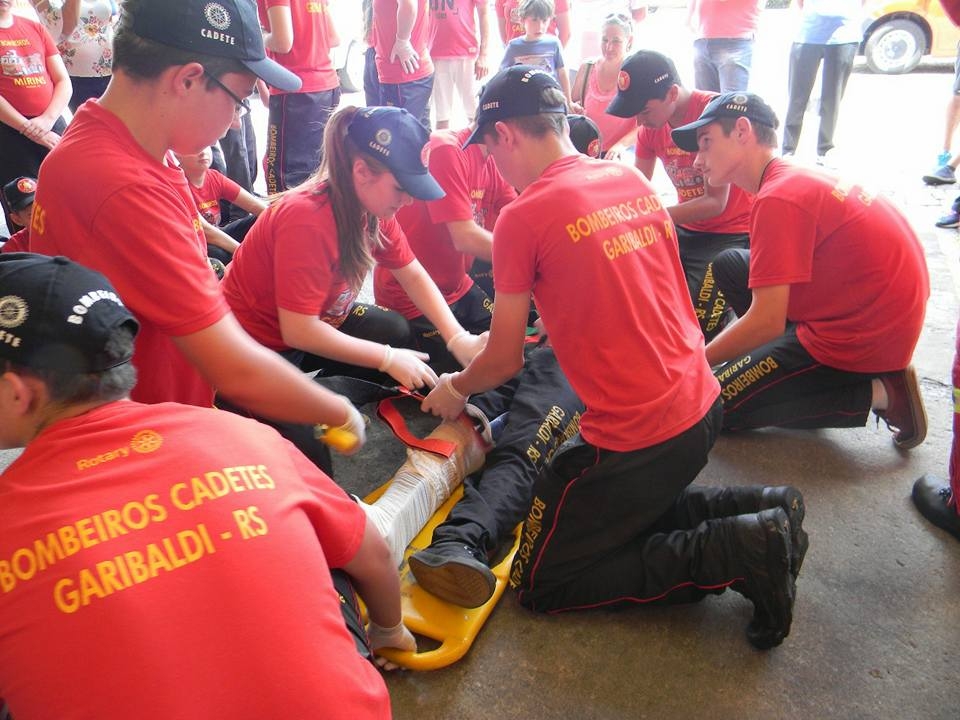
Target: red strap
(387,410)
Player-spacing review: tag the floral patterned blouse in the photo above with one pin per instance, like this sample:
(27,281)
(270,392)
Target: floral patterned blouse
(88,51)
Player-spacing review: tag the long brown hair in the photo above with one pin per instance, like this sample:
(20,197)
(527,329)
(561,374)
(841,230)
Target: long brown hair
(358,232)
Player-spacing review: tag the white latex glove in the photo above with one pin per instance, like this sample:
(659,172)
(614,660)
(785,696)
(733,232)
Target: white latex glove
(444,400)
(395,637)
(404,53)
(347,438)
(464,346)
(408,367)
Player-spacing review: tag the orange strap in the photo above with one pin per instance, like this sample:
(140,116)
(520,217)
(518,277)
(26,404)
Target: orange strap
(388,412)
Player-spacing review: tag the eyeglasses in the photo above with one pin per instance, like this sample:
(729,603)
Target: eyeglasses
(619,19)
(241,106)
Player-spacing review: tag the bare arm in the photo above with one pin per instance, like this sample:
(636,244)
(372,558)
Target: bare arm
(707,206)
(645,165)
(71,17)
(765,320)
(502,27)
(419,287)
(470,238)
(376,578)
(62,90)
(257,378)
(279,38)
(250,203)
(217,237)
(310,333)
(406,17)
(482,67)
(563,28)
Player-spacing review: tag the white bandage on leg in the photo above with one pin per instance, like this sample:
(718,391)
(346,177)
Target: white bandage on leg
(422,484)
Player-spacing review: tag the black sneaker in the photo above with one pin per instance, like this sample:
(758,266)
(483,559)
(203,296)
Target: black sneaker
(791,500)
(454,572)
(764,539)
(935,501)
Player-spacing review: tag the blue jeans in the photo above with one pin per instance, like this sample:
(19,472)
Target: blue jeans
(413,96)
(295,136)
(722,64)
(371,81)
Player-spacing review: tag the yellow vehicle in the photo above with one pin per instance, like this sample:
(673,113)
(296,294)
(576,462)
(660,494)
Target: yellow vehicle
(896,35)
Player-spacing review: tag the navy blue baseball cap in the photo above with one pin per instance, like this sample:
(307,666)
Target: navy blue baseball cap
(729,105)
(222,28)
(398,140)
(515,92)
(644,76)
(59,315)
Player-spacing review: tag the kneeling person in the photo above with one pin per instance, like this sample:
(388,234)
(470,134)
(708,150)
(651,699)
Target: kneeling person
(614,519)
(830,296)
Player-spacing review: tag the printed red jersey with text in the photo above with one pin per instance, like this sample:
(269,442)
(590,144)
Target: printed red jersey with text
(104,202)
(313,34)
(164,561)
(216,187)
(24,80)
(857,274)
(594,244)
(454,31)
(290,259)
(687,179)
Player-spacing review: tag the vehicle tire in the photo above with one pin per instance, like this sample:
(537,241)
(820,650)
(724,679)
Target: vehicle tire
(351,74)
(895,47)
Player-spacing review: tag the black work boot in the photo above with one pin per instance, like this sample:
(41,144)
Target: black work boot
(701,503)
(764,557)
(454,572)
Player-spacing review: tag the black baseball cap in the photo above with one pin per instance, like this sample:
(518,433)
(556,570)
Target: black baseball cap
(223,28)
(585,135)
(18,194)
(58,315)
(397,139)
(728,105)
(644,76)
(515,92)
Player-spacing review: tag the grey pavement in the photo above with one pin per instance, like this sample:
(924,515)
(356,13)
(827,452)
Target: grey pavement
(876,632)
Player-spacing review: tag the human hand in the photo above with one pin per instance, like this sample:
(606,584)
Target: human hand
(445,400)
(36,127)
(575,108)
(481,67)
(464,346)
(395,637)
(542,331)
(408,367)
(348,437)
(49,139)
(404,53)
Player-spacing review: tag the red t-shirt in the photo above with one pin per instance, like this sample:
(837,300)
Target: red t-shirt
(510,11)
(455,29)
(18,242)
(163,561)
(290,259)
(216,187)
(24,80)
(104,202)
(726,18)
(475,191)
(385,35)
(593,242)
(856,270)
(687,179)
(309,58)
